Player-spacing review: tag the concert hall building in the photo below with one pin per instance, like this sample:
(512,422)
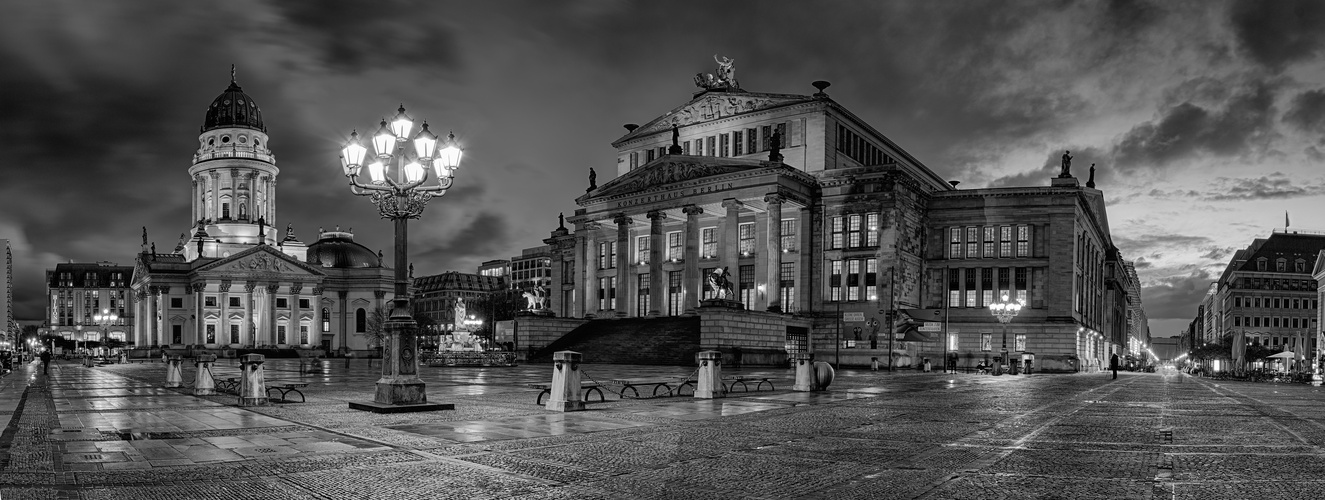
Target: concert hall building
(833,219)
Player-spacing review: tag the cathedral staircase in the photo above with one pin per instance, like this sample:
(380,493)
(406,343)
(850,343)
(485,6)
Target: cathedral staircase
(641,341)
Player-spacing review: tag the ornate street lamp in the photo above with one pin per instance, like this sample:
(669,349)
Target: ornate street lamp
(401,193)
(105,318)
(1005,310)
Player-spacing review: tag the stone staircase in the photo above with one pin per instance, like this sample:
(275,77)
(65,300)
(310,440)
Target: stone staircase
(644,341)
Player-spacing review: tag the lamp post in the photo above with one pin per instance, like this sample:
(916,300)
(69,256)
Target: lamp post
(105,318)
(401,193)
(1005,310)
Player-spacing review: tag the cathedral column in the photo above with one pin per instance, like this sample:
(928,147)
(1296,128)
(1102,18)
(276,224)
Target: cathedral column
(223,330)
(657,292)
(249,333)
(774,272)
(691,256)
(731,237)
(234,194)
(215,213)
(296,320)
(271,202)
(272,288)
(344,331)
(199,312)
(623,299)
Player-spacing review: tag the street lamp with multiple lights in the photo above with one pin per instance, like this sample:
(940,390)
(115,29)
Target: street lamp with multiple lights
(401,193)
(105,318)
(1005,310)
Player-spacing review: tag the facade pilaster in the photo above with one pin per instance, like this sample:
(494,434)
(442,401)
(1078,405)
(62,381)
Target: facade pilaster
(624,300)
(774,259)
(223,331)
(271,313)
(248,333)
(657,292)
(691,256)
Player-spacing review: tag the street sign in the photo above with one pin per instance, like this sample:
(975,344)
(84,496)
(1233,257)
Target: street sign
(853,317)
(931,326)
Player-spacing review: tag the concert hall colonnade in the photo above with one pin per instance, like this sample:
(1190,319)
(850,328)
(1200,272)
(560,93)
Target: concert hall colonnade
(813,213)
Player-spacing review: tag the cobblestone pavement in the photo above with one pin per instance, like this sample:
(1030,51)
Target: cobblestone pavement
(114,432)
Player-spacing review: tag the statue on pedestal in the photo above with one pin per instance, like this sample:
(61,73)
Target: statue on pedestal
(534,298)
(721,284)
(1067,165)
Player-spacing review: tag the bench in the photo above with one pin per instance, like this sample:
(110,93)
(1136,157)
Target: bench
(230,385)
(657,383)
(587,387)
(758,381)
(286,388)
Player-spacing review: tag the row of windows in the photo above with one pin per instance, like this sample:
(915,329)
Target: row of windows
(853,231)
(745,289)
(210,301)
(727,144)
(964,292)
(675,251)
(1277,341)
(1274,322)
(1281,265)
(1276,303)
(1274,284)
(859,148)
(860,283)
(66,280)
(989,242)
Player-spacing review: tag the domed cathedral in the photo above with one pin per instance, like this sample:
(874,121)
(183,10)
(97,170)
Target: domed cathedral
(789,224)
(236,281)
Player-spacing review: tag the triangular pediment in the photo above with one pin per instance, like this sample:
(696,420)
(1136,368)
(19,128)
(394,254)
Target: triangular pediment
(711,106)
(261,260)
(672,169)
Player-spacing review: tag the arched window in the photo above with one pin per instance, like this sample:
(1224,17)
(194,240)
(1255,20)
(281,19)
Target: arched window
(326,320)
(360,320)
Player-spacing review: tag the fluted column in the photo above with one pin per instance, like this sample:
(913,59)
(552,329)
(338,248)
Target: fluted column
(691,256)
(200,313)
(623,299)
(271,313)
(731,237)
(249,333)
(774,259)
(224,325)
(296,317)
(657,290)
(152,314)
(193,201)
(271,202)
(215,213)
(315,329)
(591,269)
(342,297)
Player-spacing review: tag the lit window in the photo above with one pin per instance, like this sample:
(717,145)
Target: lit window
(709,237)
(872,230)
(675,245)
(1005,241)
(747,238)
(955,243)
(788,227)
(854,231)
(642,244)
(989,242)
(835,280)
(1023,241)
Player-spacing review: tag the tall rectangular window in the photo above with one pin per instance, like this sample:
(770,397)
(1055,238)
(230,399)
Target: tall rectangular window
(699,146)
(1023,241)
(648,156)
(712,145)
(835,280)
(853,279)
(1019,343)
(970,287)
(234,334)
(707,292)
(986,342)
(747,238)
(211,334)
(989,242)
(675,293)
(675,245)
(1005,241)
(954,288)
(782,134)
(751,141)
(1020,282)
(607,293)
(606,254)
(871,279)
(987,286)
(787,280)
(567,271)
(972,242)
(724,145)
(709,238)
(1004,283)
(872,229)
(954,243)
(854,231)
(737,144)
(642,244)
(788,235)
(765,133)
(685,147)
(746,282)
(642,295)
(837,229)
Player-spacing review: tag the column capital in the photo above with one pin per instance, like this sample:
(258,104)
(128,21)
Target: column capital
(731,203)
(342,294)
(225,286)
(622,219)
(250,286)
(296,287)
(198,287)
(379,294)
(656,215)
(692,210)
(273,287)
(774,198)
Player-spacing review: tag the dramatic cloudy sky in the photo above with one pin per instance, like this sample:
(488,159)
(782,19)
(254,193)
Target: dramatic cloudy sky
(1206,118)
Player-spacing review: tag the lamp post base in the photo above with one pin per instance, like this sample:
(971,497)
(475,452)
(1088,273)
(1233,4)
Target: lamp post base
(376,407)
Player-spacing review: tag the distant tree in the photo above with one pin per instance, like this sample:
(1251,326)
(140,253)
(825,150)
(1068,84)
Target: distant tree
(375,328)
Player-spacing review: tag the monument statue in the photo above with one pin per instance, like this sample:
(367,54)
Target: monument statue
(593,180)
(1067,165)
(724,77)
(289,231)
(561,220)
(775,146)
(721,284)
(1090,183)
(460,312)
(144,235)
(534,298)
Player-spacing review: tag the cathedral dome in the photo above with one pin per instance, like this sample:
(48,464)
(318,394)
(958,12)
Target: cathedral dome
(338,249)
(233,108)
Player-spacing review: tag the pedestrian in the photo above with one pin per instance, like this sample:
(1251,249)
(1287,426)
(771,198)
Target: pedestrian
(1113,365)
(45,361)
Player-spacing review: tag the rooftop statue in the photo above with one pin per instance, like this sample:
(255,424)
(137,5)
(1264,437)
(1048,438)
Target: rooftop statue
(724,77)
(1067,165)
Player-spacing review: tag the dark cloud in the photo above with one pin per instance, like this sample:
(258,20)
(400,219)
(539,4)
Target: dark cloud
(1176,297)
(1307,112)
(484,238)
(1082,159)
(354,36)
(1275,186)
(1146,243)
(1142,263)
(1218,253)
(1277,33)
(1242,126)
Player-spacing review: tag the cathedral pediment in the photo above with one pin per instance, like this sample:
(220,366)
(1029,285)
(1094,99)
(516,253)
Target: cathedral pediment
(711,106)
(670,170)
(261,260)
